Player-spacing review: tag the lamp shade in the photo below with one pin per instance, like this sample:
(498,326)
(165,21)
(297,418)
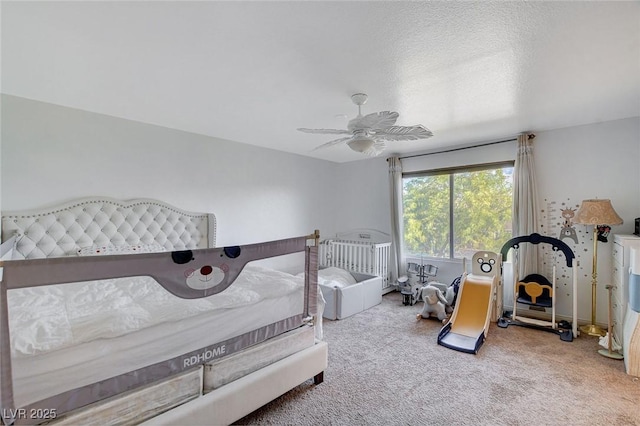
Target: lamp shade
(597,212)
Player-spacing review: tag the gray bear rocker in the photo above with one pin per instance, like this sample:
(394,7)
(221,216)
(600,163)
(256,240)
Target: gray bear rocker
(435,303)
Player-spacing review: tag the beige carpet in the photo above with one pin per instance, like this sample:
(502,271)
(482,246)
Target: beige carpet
(385,368)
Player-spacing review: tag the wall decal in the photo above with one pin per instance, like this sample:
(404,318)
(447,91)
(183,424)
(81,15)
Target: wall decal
(568,231)
(557,221)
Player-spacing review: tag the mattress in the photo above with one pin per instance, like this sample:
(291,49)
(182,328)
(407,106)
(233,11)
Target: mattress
(227,369)
(139,405)
(147,326)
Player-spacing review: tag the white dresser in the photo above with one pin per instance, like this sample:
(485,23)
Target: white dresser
(620,267)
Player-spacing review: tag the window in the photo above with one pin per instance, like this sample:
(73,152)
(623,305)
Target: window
(453,213)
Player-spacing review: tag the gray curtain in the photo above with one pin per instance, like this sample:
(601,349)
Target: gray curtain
(396,261)
(525,205)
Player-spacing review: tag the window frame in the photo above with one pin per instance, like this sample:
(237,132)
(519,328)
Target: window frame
(451,171)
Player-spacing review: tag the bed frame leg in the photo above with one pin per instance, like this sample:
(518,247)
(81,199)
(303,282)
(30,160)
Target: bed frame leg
(318,378)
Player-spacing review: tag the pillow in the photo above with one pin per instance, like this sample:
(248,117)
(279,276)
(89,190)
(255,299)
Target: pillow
(8,249)
(335,277)
(110,249)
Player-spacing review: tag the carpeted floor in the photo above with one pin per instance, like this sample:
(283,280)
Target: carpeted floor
(385,368)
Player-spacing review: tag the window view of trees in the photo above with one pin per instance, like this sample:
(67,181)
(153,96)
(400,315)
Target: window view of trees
(478,202)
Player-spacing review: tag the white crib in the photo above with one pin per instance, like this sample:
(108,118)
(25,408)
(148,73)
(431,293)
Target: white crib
(365,251)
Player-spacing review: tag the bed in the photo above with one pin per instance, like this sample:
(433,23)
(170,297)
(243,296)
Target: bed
(124,312)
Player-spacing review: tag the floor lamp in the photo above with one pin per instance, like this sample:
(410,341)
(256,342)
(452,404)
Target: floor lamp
(595,212)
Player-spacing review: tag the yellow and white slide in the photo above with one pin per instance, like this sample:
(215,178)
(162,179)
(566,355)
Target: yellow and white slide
(467,329)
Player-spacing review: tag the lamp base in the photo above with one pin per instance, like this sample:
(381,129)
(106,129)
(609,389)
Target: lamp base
(612,355)
(593,330)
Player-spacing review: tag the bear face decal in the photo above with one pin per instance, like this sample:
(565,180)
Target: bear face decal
(486,267)
(205,277)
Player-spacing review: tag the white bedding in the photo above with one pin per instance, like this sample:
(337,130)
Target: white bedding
(335,277)
(47,318)
(94,347)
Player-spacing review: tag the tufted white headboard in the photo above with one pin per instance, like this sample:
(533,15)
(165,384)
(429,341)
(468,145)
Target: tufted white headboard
(64,229)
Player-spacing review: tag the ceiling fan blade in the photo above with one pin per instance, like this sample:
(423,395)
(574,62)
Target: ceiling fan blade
(403,133)
(326,131)
(376,120)
(332,143)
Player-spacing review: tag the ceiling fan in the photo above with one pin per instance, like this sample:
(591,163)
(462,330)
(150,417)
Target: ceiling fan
(368,134)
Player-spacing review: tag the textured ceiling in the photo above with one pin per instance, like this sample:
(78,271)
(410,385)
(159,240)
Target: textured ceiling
(253,72)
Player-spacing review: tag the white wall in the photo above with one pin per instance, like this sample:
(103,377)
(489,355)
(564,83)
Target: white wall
(52,153)
(593,161)
(362,198)
(598,160)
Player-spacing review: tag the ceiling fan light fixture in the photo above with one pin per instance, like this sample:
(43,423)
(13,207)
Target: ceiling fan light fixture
(370,133)
(361,143)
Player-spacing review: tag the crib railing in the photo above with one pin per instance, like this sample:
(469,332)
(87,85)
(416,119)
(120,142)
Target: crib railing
(358,256)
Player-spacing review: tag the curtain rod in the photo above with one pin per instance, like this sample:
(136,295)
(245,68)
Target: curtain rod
(531,136)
